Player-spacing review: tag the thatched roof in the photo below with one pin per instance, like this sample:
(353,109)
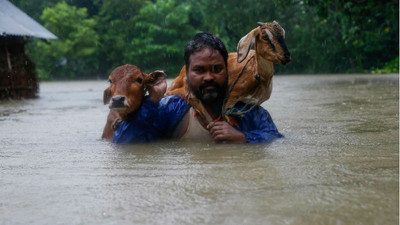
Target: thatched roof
(14,22)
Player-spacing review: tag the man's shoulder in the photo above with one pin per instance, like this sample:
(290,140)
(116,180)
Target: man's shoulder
(172,99)
(173,103)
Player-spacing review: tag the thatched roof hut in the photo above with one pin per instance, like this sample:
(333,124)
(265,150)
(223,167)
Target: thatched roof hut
(17,74)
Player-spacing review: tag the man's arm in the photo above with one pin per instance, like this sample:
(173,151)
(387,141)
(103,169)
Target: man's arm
(258,126)
(138,127)
(223,131)
(155,119)
(255,127)
(141,125)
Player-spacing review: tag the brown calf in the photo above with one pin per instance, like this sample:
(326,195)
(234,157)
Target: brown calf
(250,71)
(127,88)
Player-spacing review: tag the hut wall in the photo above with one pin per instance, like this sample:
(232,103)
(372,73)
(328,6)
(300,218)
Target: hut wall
(18,78)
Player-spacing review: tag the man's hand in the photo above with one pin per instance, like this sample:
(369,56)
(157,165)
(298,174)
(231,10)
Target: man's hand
(156,92)
(223,131)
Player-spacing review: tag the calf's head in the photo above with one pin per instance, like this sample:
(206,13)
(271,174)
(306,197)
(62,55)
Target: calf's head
(127,88)
(269,43)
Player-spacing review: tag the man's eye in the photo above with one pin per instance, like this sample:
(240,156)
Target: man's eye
(216,68)
(199,70)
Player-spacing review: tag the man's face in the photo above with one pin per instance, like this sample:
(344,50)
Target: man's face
(207,75)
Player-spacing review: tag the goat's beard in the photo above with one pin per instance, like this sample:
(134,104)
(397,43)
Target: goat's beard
(215,95)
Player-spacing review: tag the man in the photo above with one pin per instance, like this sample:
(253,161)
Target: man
(172,117)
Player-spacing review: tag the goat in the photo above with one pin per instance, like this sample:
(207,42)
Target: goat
(250,71)
(128,85)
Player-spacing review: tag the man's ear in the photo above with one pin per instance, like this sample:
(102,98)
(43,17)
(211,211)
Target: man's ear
(244,44)
(154,78)
(107,96)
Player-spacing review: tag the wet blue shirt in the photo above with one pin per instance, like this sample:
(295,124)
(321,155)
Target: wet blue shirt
(154,121)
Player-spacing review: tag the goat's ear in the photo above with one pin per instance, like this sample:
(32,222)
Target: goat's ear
(244,44)
(154,78)
(107,96)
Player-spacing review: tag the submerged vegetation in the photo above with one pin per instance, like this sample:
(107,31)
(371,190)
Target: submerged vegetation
(329,36)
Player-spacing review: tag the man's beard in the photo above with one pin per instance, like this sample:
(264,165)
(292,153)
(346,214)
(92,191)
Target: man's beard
(214,95)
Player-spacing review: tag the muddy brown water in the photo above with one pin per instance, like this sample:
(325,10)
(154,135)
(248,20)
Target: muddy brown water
(338,162)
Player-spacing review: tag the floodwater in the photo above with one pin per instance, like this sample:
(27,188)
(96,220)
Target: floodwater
(338,162)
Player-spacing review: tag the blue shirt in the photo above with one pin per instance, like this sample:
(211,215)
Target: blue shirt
(154,121)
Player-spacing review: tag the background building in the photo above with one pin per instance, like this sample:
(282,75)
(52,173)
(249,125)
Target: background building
(17,72)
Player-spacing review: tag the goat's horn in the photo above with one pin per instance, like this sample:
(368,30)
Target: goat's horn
(260,23)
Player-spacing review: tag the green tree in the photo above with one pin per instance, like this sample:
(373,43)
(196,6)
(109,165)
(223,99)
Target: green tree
(116,22)
(74,54)
(161,31)
(34,8)
(323,36)
(231,20)
(337,36)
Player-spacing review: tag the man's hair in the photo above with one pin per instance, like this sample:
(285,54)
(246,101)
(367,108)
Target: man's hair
(205,40)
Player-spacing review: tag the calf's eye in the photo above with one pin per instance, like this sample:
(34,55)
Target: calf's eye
(139,80)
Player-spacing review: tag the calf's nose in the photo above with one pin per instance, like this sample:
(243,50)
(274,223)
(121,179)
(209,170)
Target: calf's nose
(118,101)
(118,98)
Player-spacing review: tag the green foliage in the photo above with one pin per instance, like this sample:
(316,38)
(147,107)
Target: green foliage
(359,34)
(161,32)
(74,53)
(323,36)
(389,67)
(34,8)
(116,20)
(231,20)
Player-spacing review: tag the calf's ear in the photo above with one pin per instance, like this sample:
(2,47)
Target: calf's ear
(107,96)
(155,78)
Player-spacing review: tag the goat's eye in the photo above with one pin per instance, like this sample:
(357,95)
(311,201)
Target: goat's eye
(266,38)
(269,42)
(139,80)
(110,81)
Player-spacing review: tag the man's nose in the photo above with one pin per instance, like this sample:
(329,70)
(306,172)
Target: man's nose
(208,76)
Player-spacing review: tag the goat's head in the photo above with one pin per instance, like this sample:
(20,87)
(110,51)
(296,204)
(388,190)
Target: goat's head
(127,88)
(269,43)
